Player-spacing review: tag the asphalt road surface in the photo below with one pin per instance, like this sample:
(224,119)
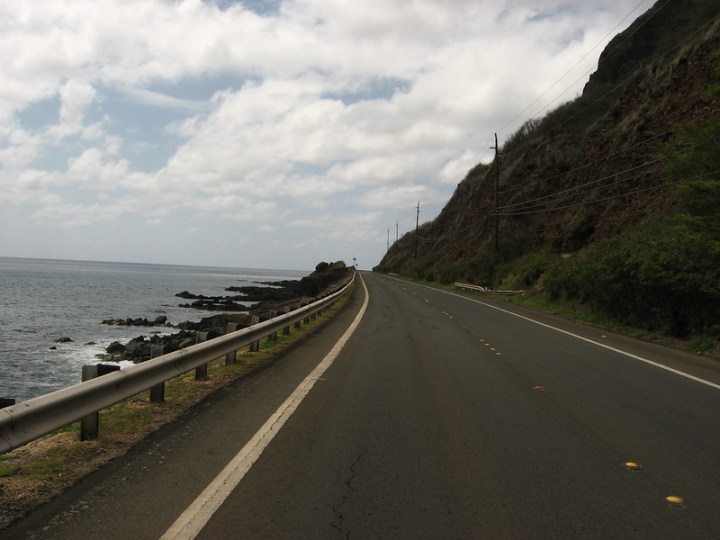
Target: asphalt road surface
(442,416)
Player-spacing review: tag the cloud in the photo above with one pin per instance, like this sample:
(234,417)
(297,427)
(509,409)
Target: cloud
(323,116)
(76,96)
(18,147)
(158,99)
(398,197)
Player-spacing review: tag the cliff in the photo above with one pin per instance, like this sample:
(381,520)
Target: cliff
(589,170)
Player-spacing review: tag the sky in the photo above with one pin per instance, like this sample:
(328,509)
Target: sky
(266,133)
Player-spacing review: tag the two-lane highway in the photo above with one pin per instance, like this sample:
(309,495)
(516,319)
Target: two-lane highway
(445,417)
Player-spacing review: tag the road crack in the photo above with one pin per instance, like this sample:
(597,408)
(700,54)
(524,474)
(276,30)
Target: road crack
(339,522)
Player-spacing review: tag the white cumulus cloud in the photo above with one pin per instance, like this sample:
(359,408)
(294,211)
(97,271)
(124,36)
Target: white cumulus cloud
(300,132)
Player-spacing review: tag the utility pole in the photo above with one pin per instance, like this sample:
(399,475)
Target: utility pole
(497,194)
(397,230)
(417,226)
(388,240)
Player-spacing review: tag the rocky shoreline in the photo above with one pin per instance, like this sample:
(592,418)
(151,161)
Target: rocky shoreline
(238,309)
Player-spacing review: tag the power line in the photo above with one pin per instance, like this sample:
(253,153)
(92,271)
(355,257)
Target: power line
(610,197)
(580,186)
(527,204)
(605,158)
(613,155)
(479,223)
(566,193)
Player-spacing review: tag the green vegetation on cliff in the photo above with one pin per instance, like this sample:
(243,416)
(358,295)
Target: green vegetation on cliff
(665,274)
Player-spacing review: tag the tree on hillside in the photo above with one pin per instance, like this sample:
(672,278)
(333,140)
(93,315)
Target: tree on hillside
(697,167)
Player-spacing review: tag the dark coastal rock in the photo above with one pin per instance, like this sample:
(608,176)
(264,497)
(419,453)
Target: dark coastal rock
(115,348)
(216,325)
(64,340)
(276,293)
(139,349)
(326,277)
(277,298)
(132,347)
(218,303)
(139,321)
(213,303)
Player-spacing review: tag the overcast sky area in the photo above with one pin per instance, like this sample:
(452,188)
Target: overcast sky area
(266,133)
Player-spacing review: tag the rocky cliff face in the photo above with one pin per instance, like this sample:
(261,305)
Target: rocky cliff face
(651,36)
(590,169)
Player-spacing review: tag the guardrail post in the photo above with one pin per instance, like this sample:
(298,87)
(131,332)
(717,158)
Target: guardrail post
(298,324)
(6,402)
(157,392)
(201,371)
(231,357)
(255,345)
(89,425)
(273,336)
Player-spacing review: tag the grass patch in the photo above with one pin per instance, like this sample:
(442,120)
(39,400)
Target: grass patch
(38,471)
(702,344)
(583,313)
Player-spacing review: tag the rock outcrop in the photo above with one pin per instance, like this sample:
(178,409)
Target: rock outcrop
(274,298)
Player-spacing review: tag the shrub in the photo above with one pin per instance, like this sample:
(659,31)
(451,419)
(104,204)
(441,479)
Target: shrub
(661,276)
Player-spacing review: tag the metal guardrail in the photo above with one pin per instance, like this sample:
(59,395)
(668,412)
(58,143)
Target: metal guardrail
(478,288)
(468,287)
(31,419)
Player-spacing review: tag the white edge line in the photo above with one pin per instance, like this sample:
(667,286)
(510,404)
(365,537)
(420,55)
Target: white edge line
(608,347)
(196,516)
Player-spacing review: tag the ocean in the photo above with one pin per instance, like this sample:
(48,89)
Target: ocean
(43,301)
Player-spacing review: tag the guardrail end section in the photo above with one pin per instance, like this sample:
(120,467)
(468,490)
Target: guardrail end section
(6,428)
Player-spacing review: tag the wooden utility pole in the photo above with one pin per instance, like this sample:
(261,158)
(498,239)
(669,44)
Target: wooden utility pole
(417,226)
(497,195)
(397,230)
(388,240)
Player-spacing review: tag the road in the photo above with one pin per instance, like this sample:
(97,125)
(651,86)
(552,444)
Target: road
(443,416)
